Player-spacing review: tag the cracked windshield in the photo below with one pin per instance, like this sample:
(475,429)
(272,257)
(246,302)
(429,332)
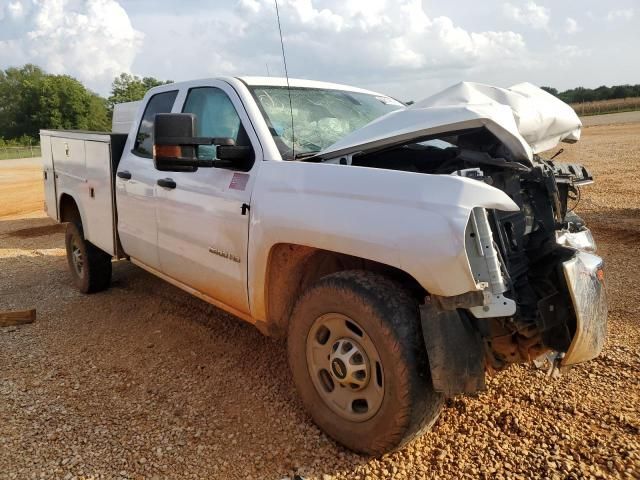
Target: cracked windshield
(320,116)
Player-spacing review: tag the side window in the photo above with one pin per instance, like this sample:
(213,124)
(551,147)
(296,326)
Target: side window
(216,117)
(159,103)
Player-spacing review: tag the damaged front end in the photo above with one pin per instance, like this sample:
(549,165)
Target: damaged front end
(549,269)
(540,291)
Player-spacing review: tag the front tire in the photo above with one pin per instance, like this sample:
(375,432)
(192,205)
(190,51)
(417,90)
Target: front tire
(359,362)
(90,267)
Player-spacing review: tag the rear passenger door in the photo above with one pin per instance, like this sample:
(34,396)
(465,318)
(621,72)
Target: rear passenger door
(203,222)
(135,186)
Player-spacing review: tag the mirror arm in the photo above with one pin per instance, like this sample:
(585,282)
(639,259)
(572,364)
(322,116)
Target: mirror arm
(184,141)
(223,164)
(194,141)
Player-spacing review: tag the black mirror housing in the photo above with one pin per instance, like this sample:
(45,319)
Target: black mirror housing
(175,148)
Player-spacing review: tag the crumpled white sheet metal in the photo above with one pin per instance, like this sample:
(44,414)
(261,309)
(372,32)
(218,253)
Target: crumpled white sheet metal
(542,119)
(524,117)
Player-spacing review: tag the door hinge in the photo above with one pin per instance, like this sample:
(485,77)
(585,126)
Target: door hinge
(245,207)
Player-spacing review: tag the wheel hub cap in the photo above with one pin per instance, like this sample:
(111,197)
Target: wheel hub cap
(76,257)
(349,364)
(345,367)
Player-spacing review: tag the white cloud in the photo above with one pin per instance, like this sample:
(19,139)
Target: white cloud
(397,46)
(571,51)
(571,26)
(92,40)
(341,40)
(623,14)
(532,14)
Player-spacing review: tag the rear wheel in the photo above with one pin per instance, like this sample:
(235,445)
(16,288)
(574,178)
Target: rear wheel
(358,359)
(90,267)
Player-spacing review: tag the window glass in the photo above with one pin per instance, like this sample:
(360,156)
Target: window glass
(317,117)
(159,103)
(216,117)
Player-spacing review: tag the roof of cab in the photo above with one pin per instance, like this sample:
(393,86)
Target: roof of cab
(303,83)
(269,82)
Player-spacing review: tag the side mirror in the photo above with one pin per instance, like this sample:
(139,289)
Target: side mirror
(175,148)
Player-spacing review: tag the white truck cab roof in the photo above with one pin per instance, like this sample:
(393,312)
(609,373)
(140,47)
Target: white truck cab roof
(302,83)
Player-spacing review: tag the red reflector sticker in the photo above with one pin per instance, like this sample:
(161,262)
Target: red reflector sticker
(239,181)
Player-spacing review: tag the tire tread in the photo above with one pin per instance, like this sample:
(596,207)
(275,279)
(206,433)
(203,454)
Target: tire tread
(400,316)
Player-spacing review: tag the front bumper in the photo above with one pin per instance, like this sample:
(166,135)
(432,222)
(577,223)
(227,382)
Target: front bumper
(584,277)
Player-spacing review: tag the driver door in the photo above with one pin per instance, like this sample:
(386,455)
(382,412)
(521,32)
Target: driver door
(203,216)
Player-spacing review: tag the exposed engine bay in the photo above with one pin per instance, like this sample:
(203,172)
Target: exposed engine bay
(527,241)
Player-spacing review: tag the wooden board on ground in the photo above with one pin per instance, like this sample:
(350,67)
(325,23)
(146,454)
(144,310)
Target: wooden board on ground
(10,319)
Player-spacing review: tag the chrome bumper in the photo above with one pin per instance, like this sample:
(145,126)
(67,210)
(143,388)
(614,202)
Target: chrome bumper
(584,277)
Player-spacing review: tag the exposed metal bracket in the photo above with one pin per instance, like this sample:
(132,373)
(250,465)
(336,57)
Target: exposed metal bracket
(497,306)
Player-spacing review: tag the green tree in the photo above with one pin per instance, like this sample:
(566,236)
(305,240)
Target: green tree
(129,88)
(31,99)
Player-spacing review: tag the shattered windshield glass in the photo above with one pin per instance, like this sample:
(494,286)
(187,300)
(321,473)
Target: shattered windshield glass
(320,116)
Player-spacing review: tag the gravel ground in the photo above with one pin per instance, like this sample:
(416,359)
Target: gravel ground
(611,118)
(145,381)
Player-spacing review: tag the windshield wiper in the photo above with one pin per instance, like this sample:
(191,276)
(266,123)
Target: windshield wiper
(303,155)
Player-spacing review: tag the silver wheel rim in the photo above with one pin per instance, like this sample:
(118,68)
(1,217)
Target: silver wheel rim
(345,367)
(76,257)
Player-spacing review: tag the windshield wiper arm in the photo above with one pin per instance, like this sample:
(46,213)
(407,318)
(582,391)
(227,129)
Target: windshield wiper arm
(303,155)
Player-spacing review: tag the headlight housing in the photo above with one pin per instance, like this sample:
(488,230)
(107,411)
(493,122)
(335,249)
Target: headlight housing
(582,240)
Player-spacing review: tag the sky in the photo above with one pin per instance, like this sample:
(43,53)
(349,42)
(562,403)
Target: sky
(409,49)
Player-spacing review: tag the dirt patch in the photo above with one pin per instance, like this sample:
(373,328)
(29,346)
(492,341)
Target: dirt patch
(146,381)
(611,118)
(21,188)
(37,231)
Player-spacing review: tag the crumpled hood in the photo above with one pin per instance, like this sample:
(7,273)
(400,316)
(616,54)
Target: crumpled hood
(524,117)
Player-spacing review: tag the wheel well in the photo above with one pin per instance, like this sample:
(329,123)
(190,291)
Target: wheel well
(69,211)
(293,268)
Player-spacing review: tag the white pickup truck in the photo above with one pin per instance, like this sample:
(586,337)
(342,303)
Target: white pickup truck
(402,251)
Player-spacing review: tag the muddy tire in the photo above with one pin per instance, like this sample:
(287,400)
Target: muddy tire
(90,267)
(358,360)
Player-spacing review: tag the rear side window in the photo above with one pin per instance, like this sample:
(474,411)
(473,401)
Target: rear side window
(159,103)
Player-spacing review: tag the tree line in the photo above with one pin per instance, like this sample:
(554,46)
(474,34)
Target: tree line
(581,94)
(31,99)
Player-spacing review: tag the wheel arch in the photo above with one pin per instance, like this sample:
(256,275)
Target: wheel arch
(292,268)
(69,209)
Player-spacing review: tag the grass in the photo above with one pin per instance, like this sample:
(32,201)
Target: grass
(600,107)
(19,152)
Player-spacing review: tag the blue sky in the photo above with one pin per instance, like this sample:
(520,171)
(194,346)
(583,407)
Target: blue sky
(406,48)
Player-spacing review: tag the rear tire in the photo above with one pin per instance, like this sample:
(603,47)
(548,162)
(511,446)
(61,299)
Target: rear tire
(379,396)
(90,267)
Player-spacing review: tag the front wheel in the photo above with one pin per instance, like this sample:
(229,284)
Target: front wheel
(358,359)
(90,267)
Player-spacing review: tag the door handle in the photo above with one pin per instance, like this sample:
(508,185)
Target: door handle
(124,174)
(167,183)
